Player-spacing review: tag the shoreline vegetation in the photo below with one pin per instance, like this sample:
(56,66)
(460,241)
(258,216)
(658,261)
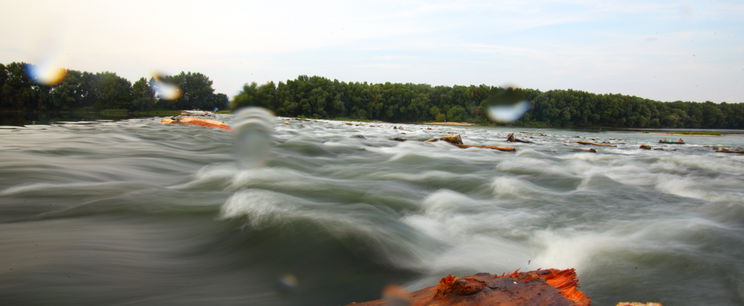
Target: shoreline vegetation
(318,97)
(694,133)
(731,132)
(109,96)
(103,94)
(450,123)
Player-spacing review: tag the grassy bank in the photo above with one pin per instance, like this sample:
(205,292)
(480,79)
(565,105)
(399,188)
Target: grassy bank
(693,133)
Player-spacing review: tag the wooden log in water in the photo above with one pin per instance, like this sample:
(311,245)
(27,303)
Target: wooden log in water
(500,148)
(596,144)
(724,150)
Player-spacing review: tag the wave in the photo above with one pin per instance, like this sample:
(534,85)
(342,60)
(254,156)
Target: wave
(379,229)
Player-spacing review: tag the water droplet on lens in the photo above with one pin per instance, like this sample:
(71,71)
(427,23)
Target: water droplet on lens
(162,89)
(253,128)
(46,73)
(289,280)
(508,113)
(287,283)
(508,105)
(50,57)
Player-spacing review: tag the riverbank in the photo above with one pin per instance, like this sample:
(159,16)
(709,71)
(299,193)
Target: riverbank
(26,118)
(450,123)
(689,132)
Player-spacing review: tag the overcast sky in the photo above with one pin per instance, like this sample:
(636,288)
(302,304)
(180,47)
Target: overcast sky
(663,50)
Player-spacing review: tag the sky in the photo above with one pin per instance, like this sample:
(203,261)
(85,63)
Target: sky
(662,50)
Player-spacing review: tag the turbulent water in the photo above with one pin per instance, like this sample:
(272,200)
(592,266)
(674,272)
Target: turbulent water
(135,212)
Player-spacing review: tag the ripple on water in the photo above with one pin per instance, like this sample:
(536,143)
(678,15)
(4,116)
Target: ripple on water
(170,203)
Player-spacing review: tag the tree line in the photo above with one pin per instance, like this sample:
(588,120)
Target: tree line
(319,97)
(85,91)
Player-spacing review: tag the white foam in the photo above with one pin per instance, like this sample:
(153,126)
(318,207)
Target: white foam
(481,253)
(261,206)
(476,232)
(510,186)
(572,249)
(415,177)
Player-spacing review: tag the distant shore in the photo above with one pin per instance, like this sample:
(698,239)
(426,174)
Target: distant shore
(691,132)
(694,135)
(450,123)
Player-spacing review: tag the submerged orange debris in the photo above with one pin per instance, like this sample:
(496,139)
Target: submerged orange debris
(197,121)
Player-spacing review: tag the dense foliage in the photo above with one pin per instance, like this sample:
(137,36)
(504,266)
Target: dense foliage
(100,91)
(318,97)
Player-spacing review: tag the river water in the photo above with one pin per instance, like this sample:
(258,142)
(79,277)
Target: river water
(136,212)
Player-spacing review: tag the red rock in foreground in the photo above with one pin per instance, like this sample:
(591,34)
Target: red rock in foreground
(539,287)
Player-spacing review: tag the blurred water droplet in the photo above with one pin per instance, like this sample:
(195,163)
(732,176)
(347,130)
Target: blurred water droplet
(289,281)
(49,54)
(508,105)
(508,113)
(395,295)
(253,128)
(162,89)
(46,73)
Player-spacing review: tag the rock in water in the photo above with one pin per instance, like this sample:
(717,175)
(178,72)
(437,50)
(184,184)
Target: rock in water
(512,138)
(539,287)
(454,139)
(590,150)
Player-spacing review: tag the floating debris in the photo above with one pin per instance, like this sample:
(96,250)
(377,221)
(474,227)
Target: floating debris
(456,140)
(596,144)
(196,121)
(512,138)
(724,150)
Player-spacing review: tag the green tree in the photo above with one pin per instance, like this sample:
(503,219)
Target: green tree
(111,91)
(196,90)
(143,98)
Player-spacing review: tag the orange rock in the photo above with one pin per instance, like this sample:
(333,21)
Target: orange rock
(539,287)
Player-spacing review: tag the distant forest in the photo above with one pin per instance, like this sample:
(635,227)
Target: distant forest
(318,97)
(95,92)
